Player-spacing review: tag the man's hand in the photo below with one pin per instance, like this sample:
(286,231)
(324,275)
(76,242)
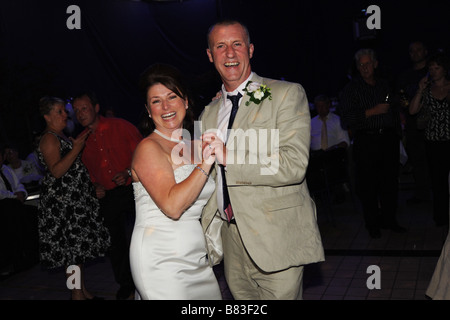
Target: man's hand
(380,108)
(20,196)
(100,190)
(121,178)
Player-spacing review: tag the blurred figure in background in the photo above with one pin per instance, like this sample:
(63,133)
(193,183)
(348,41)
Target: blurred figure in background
(107,155)
(25,170)
(18,224)
(376,130)
(71,230)
(406,88)
(433,98)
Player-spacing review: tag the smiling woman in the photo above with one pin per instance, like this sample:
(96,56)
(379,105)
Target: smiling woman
(168,250)
(176,91)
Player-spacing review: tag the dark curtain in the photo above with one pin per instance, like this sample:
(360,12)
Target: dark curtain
(310,42)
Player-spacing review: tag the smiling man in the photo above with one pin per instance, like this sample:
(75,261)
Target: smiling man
(269,229)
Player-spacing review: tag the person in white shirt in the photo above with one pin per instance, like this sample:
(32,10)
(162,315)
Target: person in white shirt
(336,135)
(25,170)
(18,224)
(11,188)
(328,149)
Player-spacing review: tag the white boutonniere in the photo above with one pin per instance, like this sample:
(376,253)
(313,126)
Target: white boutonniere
(257,92)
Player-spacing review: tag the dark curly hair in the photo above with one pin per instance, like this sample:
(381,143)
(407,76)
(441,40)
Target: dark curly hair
(441,59)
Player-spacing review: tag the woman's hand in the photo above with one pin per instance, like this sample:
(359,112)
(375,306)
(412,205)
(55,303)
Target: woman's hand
(79,141)
(218,96)
(214,146)
(424,82)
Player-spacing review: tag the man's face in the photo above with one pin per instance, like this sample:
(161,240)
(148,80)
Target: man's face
(230,52)
(85,112)
(366,66)
(417,52)
(323,108)
(11,155)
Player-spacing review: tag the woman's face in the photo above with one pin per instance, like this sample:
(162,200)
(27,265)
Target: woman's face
(436,71)
(166,108)
(57,117)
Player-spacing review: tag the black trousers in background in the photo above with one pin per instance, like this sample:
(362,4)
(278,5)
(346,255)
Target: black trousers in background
(118,211)
(417,157)
(438,153)
(377,158)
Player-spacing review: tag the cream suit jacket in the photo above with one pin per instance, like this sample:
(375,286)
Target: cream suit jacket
(274,212)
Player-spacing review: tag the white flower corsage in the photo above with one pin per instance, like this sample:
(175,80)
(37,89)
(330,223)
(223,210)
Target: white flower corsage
(257,92)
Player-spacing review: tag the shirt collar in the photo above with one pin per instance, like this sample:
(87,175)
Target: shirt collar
(238,89)
(327,117)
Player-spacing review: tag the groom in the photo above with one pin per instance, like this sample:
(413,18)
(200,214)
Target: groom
(273,231)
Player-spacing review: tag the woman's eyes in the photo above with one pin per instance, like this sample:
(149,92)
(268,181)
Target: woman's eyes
(171,97)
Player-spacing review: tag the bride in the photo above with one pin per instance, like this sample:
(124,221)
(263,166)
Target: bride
(168,250)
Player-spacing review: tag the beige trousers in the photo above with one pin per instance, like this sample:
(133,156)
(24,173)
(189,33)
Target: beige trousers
(248,282)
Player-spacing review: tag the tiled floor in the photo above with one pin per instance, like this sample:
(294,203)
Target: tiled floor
(406,261)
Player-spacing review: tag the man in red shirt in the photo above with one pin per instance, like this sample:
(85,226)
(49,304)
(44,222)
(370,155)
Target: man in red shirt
(107,156)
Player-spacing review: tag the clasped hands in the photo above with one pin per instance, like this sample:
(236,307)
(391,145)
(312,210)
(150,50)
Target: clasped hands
(213,148)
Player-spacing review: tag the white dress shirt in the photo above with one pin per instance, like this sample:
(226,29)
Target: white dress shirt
(222,126)
(335,133)
(27,172)
(15,184)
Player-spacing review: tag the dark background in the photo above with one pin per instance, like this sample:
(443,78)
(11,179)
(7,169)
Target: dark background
(310,42)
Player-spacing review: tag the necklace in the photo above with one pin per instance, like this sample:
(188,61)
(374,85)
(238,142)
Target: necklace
(167,138)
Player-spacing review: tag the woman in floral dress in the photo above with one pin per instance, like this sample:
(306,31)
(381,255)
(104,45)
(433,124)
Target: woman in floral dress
(71,231)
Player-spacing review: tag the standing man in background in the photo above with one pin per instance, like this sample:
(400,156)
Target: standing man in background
(107,155)
(376,144)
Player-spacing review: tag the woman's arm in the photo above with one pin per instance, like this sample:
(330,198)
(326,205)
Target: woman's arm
(153,168)
(49,147)
(416,103)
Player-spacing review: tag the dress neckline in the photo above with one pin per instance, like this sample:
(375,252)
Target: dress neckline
(166,137)
(58,135)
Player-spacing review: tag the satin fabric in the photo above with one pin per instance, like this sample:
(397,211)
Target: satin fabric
(168,257)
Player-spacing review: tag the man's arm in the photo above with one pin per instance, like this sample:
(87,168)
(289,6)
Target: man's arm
(281,157)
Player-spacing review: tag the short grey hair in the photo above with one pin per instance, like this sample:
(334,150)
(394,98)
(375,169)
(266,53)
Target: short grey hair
(47,103)
(228,22)
(365,52)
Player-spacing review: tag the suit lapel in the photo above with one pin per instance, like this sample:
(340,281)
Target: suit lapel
(242,115)
(212,112)
(211,115)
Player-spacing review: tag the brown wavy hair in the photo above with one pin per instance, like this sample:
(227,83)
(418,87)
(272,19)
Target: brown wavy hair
(170,77)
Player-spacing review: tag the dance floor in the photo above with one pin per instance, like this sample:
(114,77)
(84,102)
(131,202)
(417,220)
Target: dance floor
(404,262)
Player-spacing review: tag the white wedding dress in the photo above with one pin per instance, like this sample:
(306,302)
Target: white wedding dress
(168,257)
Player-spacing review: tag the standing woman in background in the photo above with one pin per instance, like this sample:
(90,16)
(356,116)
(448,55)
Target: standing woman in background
(71,231)
(433,97)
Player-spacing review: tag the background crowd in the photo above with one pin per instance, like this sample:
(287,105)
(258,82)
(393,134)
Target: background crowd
(375,116)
